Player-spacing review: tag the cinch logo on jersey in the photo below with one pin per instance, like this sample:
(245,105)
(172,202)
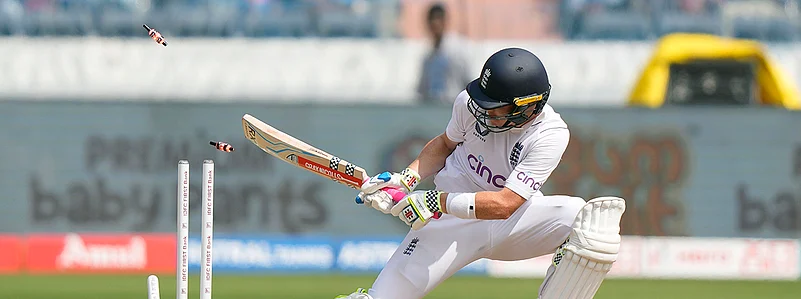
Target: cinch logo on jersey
(527,178)
(477,164)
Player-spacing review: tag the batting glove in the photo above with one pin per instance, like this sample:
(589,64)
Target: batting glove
(417,209)
(371,194)
(406,180)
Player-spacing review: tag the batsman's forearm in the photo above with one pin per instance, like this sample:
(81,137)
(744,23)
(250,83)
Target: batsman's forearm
(493,205)
(432,158)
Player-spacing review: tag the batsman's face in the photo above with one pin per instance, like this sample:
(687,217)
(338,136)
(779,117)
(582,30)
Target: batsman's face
(498,115)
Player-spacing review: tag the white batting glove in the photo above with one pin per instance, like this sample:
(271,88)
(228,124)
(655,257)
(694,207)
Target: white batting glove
(371,194)
(380,200)
(406,179)
(417,209)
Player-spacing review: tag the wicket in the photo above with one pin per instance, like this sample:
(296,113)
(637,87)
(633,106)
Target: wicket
(182,235)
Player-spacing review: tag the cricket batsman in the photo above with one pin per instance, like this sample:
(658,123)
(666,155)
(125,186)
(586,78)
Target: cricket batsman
(501,144)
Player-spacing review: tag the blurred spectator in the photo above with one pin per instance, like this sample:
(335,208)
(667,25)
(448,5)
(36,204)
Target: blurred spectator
(445,72)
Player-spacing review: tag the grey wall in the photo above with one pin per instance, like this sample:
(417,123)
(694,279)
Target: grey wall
(72,166)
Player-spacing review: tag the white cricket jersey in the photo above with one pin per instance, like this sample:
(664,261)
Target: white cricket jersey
(521,159)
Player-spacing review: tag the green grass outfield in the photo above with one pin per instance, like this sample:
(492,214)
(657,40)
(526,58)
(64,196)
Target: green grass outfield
(327,286)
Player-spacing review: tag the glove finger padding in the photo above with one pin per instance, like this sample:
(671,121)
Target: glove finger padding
(402,205)
(381,201)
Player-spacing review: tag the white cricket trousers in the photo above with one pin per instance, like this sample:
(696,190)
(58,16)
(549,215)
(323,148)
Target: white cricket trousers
(430,255)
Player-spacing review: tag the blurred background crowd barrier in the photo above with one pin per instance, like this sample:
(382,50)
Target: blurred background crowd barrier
(688,109)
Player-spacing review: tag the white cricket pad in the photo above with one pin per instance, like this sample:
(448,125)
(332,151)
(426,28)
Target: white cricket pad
(580,265)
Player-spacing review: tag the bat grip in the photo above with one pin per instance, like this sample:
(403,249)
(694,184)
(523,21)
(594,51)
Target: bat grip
(396,193)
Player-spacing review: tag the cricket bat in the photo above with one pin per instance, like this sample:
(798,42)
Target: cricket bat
(296,152)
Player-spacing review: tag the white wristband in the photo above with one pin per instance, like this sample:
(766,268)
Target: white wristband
(462,205)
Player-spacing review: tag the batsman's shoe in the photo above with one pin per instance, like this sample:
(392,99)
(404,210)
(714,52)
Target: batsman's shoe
(360,293)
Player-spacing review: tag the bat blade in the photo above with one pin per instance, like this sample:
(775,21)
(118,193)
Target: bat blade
(296,152)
